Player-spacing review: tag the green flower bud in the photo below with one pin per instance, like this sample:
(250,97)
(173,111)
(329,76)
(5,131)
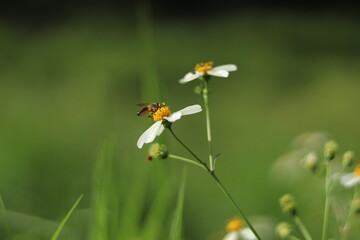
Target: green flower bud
(348,159)
(288,205)
(283,230)
(330,150)
(157,151)
(199,89)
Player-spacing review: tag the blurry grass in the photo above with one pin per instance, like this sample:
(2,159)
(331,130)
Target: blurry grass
(62,89)
(5,225)
(63,222)
(176,226)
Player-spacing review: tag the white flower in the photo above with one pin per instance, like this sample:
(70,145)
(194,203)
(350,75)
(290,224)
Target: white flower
(160,115)
(351,179)
(236,231)
(245,233)
(202,69)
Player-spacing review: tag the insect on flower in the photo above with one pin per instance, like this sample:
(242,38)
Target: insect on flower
(150,108)
(161,113)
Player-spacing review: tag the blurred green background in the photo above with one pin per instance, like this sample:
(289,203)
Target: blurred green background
(69,89)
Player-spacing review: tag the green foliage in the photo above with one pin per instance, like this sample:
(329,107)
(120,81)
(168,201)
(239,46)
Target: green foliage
(63,88)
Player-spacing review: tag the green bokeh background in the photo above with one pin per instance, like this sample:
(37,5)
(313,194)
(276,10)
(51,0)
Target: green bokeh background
(68,87)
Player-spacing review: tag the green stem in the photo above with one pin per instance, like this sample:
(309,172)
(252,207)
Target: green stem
(327,201)
(291,237)
(347,224)
(302,228)
(189,150)
(208,128)
(187,160)
(218,182)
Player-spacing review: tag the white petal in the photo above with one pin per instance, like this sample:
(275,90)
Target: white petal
(190,76)
(149,135)
(185,111)
(349,180)
(174,116)
(231,236)
(247,234)
(191,109)
(227,67)
(218,72)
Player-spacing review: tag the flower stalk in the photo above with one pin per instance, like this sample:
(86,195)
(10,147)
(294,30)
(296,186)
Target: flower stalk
(327,201)
(218,182)
(205,95)
(302,228)
(352,210)
(187,160)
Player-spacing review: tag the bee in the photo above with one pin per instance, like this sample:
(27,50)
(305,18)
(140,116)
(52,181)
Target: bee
(150,108)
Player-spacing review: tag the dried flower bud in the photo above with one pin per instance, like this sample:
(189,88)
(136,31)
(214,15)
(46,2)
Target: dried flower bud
(283,230)
(288,205)
(348,159)
(330,150)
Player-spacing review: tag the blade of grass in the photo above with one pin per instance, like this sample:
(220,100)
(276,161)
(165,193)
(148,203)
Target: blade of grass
(176,226)
(102,191)
(63,222)
(134,197)
(7,226)
(157,215)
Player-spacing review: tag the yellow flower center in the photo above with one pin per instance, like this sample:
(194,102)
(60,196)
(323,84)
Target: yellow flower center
(357,170)
(161,113)
(234,225)
(204,67)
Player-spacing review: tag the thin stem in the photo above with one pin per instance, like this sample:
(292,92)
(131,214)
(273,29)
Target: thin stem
(189,150)
(219,184)
(291,237)
(186,160)
(347,224)
(327,201)
(227,194)
(302,228)
(208,128)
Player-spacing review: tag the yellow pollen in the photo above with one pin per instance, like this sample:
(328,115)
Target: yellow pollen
(234,225)
(204,67)
(161,113)
(357,170)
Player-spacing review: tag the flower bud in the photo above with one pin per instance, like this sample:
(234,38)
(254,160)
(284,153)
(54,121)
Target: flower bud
(311,161)
(199,89)
(283,230)
(348,159)
(330,150)
(157,151)
(288,205)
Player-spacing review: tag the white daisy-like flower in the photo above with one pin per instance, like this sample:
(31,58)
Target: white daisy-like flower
(236,231)
(202,69)
(351,179)
(160,115)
